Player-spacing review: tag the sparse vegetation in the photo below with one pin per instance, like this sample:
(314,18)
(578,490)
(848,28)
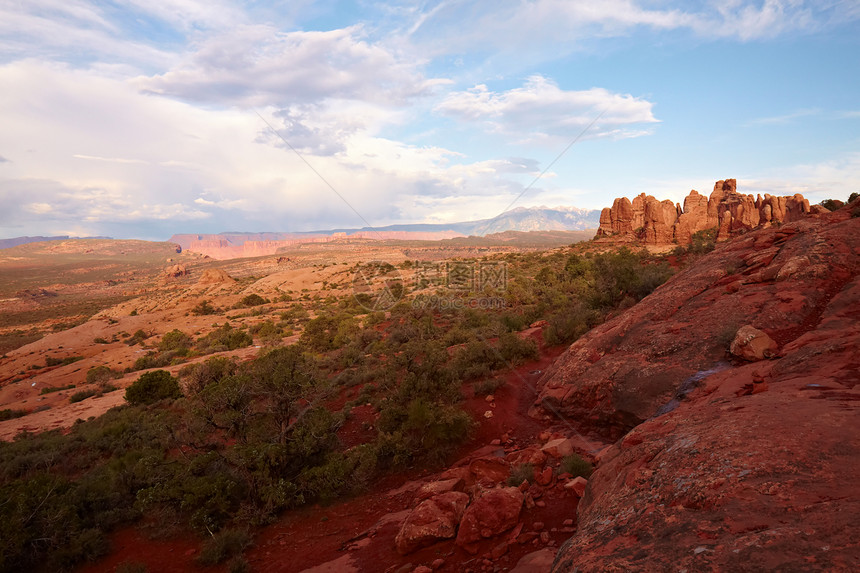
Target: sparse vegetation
(224,338)
(223,545)
(82,395)
(44,391)
(488,386)
(18,338)
(136,338)
(576,465)
(101,374)
(238,442)
(52,361)
(521,473)
(251,300)
(9,414)
(204,307)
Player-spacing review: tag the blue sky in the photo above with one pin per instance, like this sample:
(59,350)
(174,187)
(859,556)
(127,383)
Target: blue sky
(140,119)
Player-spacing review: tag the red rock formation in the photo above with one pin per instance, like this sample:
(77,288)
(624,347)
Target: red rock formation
(663,223)
(491,512)
(433,520)
(778,280)
(722,464)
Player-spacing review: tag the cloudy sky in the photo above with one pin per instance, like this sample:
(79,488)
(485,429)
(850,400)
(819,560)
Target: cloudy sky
(143,118)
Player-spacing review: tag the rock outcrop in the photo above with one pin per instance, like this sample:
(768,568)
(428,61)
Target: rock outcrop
(491,512)
(719,463)
(663,223)
(777,280)
(175,272)
(433,520)
(214,276)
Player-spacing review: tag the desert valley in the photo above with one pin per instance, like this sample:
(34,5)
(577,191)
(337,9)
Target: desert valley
(673,391)
(429,286)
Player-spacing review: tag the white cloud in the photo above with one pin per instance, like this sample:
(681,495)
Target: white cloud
(831,179)
(110,160)
(257,65)
(71,30)
(540,111)
(749,21)
(527,29)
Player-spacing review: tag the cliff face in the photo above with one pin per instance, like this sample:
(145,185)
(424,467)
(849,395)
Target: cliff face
(724,459)
(663,223)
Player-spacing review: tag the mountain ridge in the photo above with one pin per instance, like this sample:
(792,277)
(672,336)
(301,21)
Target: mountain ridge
(561,218)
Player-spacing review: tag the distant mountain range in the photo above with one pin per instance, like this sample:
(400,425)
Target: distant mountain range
(520,219)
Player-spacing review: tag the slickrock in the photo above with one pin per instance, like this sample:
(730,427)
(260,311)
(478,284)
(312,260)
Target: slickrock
(746,466)
(658,222)
(653,354)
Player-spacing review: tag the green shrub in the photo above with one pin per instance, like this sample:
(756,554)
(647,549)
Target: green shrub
(703,241)
(136,338)
(82,395)
(9,414)
(51,361)
(222,545)
(488,386)
(832,204)
(175,340)
(211,371)
(267,331)
(152,387)
(515,349)
(252,300)
(204,307)
(325,333)
(238,564)
(57,389)
(521,473)
(157,360)
(576,465)
(224,338)
(101,374)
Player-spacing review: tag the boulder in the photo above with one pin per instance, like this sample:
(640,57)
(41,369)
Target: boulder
(752,344)
(176,271)
(531,455)
(490,469)
(545,477)
(433,520)
(536,562)
(577,485)
(491,513)
(558,448)
(434,488)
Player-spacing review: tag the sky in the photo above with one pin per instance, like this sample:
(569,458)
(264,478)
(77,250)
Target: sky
(144,118)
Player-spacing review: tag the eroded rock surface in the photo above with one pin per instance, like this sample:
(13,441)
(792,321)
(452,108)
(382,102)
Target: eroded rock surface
(625,370)
(730,479)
